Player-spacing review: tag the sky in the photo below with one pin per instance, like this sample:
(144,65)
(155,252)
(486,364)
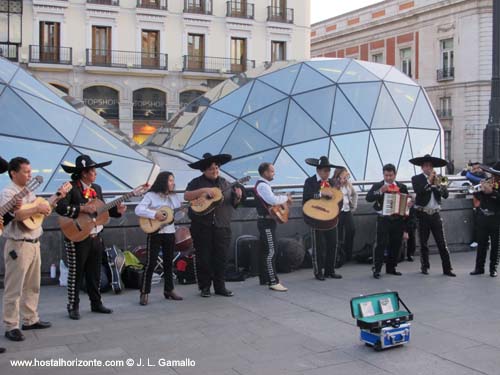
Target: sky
(323,9)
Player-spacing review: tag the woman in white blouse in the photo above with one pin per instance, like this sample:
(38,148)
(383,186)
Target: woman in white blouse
(161,194)
(346,229)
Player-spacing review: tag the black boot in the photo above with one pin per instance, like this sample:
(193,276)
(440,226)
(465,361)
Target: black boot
(493,271)
(74,312)
(100,308)
(319,276)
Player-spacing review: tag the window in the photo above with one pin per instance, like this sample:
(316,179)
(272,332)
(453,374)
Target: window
(196,52)
(187,97)
(278,51)
(238,55)
(447,57)
(10,28)
(444,107)
(405,58)
(101,44)
(447,144)
(104,101)
(149,112)
(150,41)
(378,58)
(49,41)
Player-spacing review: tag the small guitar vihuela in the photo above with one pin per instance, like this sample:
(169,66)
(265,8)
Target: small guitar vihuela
(30,187)
(152,225)
(35,221)
(204,205)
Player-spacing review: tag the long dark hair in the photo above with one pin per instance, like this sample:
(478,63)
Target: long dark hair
(161,183)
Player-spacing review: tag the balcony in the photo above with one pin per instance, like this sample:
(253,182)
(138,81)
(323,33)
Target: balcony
(216,65)
(104,2)
(447,74)
(153,4)
(9,51)
(278,14)
(126,59)
(50,55)
(444,114)
(198,6)
(239,9)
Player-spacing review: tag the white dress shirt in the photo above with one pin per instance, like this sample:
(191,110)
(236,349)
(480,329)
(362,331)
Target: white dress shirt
(266,193)
(151,202)
(433,204)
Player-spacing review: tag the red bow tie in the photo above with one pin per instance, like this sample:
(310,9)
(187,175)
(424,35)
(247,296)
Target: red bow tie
(324,184)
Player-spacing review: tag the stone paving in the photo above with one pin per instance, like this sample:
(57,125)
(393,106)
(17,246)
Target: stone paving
(308,330)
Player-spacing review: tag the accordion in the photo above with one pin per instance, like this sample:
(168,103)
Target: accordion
(396,204)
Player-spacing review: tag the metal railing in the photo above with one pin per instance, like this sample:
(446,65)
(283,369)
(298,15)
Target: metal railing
(240,9)
(446,74)
(444,113)
(126,59)
(9,51)
(50,55)
(157,4)
(105,2)
(198,6)
(216,64)
(278,14)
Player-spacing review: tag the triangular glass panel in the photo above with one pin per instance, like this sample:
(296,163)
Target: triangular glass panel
(233,103)
(397,76)
(7,70)
(66,122)
(300,127)
(345,119)
(121,167)
(261,96)
(287,171)
(26,82)
(249,165)
(406,170)
(318,104)
(270,120)
(356,73)
(423,116)
(331,68)
(389,144)
(19,119)
(386,114)
(313,149)
(212,144)
(246,140)
(282,79)
(2,86)
(437,148)
(405,97)
(44,157)
(211,121)
(363,97)
(422,141)
(380,70)
(94,137)
(336,158)
(353,148)
(309,79)
(373,164)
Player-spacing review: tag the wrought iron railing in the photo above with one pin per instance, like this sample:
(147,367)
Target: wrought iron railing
(105,2)
(446,74)
(156,4)
(50,55)
(9,51)
(198,6)
(278,14)
(444,113)
(216,64)
(126,59)
(240,9)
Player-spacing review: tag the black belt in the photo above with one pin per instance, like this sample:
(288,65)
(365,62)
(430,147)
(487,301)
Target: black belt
(36,240)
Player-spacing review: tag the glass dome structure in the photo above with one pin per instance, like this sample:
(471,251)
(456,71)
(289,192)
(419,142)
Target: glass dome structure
(36,123)
(361,114)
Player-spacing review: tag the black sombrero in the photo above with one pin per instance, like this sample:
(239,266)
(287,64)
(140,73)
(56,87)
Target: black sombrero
(436,162)
(208,159)
(494,169)
(83,162)
(4,165)
(322,162)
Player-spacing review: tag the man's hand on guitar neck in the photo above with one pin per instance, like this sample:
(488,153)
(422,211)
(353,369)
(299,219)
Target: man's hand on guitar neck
(121,208)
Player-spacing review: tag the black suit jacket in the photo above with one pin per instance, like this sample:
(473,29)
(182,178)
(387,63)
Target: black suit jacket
(424,190)
(375,195)
(70,205)
(311,188)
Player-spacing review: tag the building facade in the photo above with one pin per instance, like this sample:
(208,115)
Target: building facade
(137,62)
(445,45)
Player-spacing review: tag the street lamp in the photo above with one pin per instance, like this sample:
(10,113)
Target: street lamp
(491,135)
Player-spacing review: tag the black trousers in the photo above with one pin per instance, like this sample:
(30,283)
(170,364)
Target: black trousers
(156,242)
(324,250)
(346,232)
(84,260)
(267,259)
(476,212)
(428,224)
(390,237)
(488,230)
(211,244)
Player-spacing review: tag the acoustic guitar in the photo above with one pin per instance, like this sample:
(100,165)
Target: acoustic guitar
(204,205)
(35,221)
(323,213)
(79,228)
(153,225)
(30,187)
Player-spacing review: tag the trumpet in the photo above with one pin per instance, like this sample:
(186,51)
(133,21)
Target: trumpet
(479,187)
(441,180)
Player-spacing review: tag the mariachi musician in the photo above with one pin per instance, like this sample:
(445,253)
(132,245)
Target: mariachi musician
(391,229)
(429,192)
(267,226)
(212,232)
(488,220)
(324,242)
(84,257)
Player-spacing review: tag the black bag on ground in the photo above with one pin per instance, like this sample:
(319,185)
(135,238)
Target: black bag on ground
(365,254)
(132,277)
(235,274)
(246,254)
(290,255)
(184,268)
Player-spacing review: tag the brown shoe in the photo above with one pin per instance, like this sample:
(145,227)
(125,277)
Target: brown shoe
(172,295)
(143,300)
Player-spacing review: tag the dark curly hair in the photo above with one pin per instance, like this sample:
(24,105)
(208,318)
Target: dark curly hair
(161,183)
